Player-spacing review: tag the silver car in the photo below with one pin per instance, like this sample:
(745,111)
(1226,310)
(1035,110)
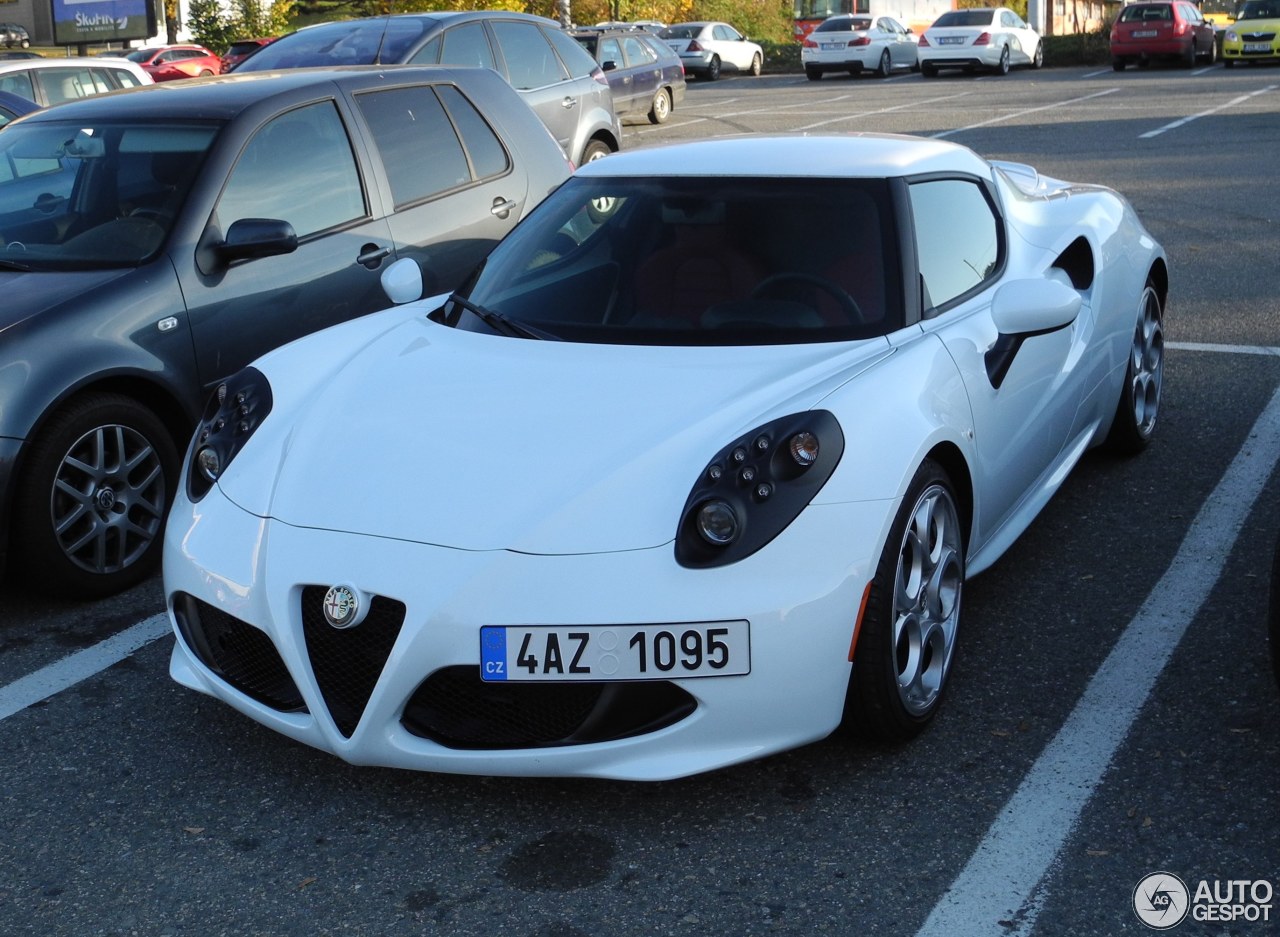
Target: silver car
(556,77)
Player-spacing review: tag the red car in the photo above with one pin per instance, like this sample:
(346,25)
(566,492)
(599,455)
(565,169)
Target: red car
(165,63)
(1169,30)
(241,49)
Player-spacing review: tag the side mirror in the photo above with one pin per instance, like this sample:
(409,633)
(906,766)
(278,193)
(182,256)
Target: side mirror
(609,65)
(257,237)
(1023,309)
(402,281)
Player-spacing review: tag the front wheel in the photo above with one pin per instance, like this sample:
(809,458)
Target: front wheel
(757,65)
(93,497)
(912,617)
(1139,404)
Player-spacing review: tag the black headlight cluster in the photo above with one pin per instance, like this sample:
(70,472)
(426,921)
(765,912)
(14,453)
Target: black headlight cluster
(235,410)
(755,486)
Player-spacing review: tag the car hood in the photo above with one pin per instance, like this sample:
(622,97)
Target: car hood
(478,442)
(30,293)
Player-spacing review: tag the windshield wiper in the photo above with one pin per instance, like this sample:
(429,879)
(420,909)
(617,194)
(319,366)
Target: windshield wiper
(502,324)
(14,265)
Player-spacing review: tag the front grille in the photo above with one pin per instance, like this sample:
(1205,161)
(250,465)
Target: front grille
(239,653)
(1258,37)
(455,708)
(347,662)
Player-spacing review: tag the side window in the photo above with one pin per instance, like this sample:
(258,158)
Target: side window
(101,81)
(65,84)
(467,45)
(488,156)
(578,60)
(125,79)
(287,163)
(610,51)
(18,83)
(531,62)
(420,151)
(957,237)
(637,52)
(428,54)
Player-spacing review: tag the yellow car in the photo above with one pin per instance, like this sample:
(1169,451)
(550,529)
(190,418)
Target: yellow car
(1255,35)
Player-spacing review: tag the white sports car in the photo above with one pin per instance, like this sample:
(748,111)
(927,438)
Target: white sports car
(691,470)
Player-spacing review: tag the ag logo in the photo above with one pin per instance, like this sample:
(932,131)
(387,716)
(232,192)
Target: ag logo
(1161,900)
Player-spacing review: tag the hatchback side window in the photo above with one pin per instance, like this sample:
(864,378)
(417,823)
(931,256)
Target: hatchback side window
(297,168)
(531,62)
(65,84)
(610,51)
(958,240)
(420,150)
(488,156)
(637,52)
(125,79)
(18,83)
(467,45)
(578,60)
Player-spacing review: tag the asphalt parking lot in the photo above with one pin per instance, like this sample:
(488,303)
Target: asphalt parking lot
(1112,714)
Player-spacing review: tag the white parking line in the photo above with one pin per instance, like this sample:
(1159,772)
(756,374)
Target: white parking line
(1213,110)
(883,110)
(66,673)
(1032,110)
(1002,879)
(1271,351)
(1104,71)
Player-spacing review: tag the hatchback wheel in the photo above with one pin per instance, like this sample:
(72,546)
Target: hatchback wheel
(93,497)
(660,110)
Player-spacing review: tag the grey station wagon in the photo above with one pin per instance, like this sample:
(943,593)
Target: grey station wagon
(153,242)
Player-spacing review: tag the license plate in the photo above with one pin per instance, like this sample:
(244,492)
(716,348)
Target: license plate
(832,46)
(615,652)
(1144,34)
(1257,47)
(950,40)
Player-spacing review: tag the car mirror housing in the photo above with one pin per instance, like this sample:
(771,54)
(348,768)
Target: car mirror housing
(1034,306)
(402,281)
(257,237)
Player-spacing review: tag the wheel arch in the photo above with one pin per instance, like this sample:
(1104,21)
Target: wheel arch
(1159,277)
(954,463)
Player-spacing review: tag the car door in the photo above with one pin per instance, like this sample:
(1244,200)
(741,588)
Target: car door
(621,77)
(300,167)
(534,69)
(646,73)
(455,188)
(1023,38)
(901,45)
(1021,418)
(731,46)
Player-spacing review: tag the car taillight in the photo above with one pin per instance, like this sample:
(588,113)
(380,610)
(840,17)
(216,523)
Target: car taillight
(860,41)
(809,44)
(983,40)
(923,41)
(598,75)
(1179,29)
(693,46)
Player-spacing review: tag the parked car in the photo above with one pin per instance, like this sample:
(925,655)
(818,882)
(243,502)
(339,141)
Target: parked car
(707,48)
(1175,30)
(645,74)
(154,242)
(13,106)
(554,75)
(653,26)
(241,49)
(854,43)
(49,81)
(1255,35)
(995,39)
(14,35)
(169,63)
(803,448)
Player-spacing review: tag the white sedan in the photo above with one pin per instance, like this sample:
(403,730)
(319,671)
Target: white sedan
(995,39)
(664,487)
(705,49)
(856,43)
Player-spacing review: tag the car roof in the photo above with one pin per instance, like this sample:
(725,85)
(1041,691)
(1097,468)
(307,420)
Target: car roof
(223,97)
(18,65)
(853,155)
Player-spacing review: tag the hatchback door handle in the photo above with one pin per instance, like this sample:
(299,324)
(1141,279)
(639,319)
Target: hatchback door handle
(371,255)
(569,103)
(502,207)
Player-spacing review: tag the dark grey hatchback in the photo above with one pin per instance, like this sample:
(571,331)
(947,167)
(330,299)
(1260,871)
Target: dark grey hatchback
(152,242)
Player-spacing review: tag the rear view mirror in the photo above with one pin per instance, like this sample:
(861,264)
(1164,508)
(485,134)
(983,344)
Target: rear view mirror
(402,281)
(257,237)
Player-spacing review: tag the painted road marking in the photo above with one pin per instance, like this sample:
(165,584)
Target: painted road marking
(1213,110)
(1015,114)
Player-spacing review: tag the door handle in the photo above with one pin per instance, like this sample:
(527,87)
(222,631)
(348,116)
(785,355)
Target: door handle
(502,207)
(371,256)
(569,103)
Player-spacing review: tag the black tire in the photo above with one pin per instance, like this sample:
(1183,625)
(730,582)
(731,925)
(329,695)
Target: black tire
(1211,57)
(886,65)
(1037,60)
(1139,406)
(1228,63)
(660,109)
(912,615)
(929,71)
(1118,65)
(93,495)
(713,69)
(813,74)
(595,149)
(757,66)
(1002,67)
(1189,56)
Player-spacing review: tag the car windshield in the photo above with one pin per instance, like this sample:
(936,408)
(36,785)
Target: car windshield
(1146,13)
(843,24)
(697,261)
(1259,10)
(965,18)
(350,42)
(681,32)
(78,196)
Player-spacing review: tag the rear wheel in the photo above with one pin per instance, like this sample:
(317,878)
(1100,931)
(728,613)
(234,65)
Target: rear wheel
(1002,66)
(93,496)
(1189,55)
(713,68)
(1037,60)
(813,74)
(1118,64)
(660,109)
(1228,63)
(757,65)
(1139,404)
(1211,57)
(929,71)
(596,149)
(908,637)
(886,65)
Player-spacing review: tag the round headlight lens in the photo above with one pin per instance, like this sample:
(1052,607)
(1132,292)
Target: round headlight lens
(717,523)
(209,463)
(804,448)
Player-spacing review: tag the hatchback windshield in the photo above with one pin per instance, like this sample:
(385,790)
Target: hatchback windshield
(76,196)
(695,261)
(1259,10)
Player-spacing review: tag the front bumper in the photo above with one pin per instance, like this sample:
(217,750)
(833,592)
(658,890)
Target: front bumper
(800,595)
